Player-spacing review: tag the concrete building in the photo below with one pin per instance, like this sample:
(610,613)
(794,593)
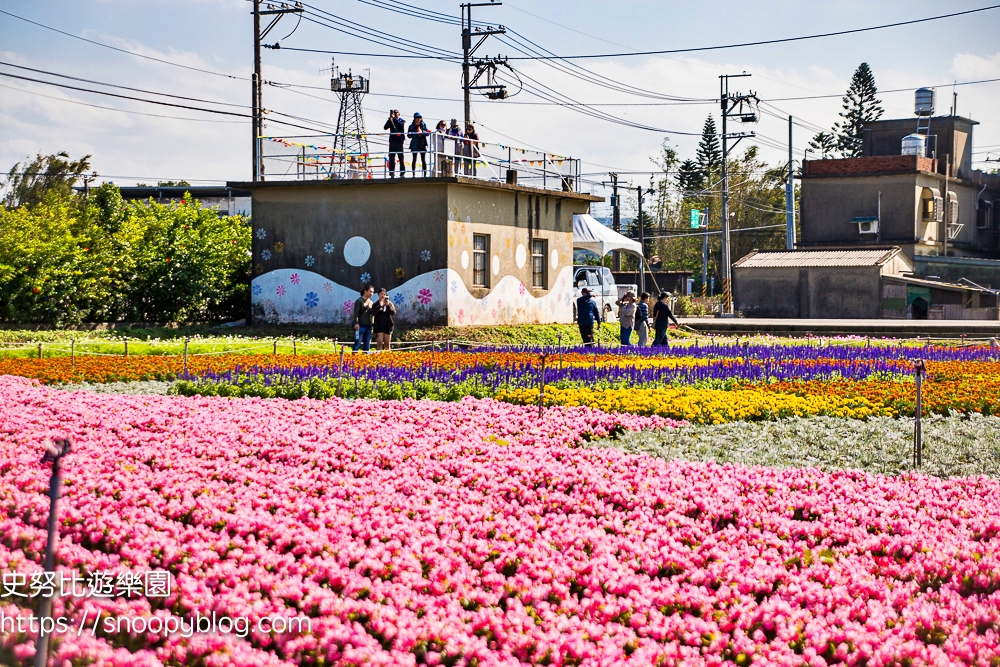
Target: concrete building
(228,200)
(450,250)
(850,283)
(907,200)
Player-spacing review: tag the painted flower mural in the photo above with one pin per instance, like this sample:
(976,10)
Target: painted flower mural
(398,299)
(327,287)
(295,279)
(348,307)
(310,260)
(257,290)
(265,254)
(366,277)
(425,255)
(261,233)
(280,291)
(279,246)
(424,296)
(329,248)
(311,299)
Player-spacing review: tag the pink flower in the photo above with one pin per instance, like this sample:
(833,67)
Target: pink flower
(294,279)
(424,296)
(280,291)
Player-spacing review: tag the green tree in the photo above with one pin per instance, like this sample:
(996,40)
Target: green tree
(861,106)
(823,143)
(28,183)
(709,154)
(690,179)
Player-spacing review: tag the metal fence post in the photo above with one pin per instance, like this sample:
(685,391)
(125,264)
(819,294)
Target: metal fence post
(185,358)
(39,350)
(274,349)
(126,348)
(294,349)
(541,387)
(340,371)
(918,368)
(54,451)
(72,353)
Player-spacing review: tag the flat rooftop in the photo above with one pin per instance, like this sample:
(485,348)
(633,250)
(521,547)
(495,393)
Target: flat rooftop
(390,182)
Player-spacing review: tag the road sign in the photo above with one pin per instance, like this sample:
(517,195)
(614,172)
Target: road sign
(695,218)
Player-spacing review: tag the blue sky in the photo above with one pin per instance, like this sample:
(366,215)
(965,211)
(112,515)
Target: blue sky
(216,35)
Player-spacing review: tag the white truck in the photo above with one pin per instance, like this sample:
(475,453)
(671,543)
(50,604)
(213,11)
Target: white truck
(602,287)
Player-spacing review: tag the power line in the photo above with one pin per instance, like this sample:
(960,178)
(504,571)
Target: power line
(373,34)
(114,85)
(138,113)
(766,41)
(115,48)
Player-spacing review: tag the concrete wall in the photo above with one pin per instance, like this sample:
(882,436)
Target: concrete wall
(954,138)
(317,243)
(808,292)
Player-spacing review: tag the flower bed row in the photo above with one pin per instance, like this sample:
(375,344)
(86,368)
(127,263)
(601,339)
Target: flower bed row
(469,534)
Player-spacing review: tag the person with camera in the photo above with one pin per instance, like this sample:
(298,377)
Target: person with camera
(418,142)
(397,134)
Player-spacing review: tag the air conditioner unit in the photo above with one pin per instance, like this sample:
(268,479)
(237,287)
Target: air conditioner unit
(866,225)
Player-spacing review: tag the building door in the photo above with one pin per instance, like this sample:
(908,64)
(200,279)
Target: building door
(919,300)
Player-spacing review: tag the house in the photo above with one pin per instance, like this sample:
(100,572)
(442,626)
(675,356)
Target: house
(450,250)
(850,283)
(915,191)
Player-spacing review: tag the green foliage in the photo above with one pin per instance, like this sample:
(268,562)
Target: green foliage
(709,155)
(29,183)
(860,107)
(66,260)
(823,143)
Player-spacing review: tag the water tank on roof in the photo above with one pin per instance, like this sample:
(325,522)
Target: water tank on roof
(924,102)
(915,144)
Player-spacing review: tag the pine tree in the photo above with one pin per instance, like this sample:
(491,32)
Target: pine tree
(860,107)
(823,143)
(709,155)
(690,179)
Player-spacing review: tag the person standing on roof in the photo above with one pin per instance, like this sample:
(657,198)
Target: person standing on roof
(418,143)
(471,149)
(397,130)
(586,315)
(661,320)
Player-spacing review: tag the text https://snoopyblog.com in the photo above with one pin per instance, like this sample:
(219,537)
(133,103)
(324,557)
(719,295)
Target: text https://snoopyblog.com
(93,622)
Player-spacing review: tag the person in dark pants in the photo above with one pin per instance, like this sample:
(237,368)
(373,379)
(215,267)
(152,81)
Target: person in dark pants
(363,319)
(418,143)
(661,320)
(397,134)
(586,315)
(384,319)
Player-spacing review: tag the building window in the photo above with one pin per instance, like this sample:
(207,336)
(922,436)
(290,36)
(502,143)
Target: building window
(539,251)
(480,255)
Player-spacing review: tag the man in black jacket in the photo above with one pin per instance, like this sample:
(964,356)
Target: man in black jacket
(397,134)
(587,314)
(661,320)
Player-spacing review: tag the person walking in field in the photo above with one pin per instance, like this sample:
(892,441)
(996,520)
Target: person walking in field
(626,317)
(642,319)
(363,319)
(384,319)
(586,315)
(661,320)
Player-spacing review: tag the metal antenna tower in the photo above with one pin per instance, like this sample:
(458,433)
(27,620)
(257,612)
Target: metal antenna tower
(351,143)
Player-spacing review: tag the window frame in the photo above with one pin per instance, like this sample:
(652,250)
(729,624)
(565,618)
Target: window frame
(484,254)
(540,278)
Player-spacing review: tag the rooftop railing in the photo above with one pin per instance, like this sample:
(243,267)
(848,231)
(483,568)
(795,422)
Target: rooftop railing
(316,157)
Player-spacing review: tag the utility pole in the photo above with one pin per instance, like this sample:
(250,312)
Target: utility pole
(732,107)
(616,221)
(704,254)
(257,101)
(642,244)
(790,195)
(496,91)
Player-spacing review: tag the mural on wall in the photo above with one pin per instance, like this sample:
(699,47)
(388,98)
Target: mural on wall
(298,296)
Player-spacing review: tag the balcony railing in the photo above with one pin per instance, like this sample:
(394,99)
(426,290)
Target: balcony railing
(315,157)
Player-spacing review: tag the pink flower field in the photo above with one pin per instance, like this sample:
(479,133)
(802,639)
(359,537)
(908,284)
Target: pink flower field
(477,533)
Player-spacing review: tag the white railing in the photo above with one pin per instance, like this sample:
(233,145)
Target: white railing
(314,157)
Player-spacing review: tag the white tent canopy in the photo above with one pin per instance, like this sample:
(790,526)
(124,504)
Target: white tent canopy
(589,234)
